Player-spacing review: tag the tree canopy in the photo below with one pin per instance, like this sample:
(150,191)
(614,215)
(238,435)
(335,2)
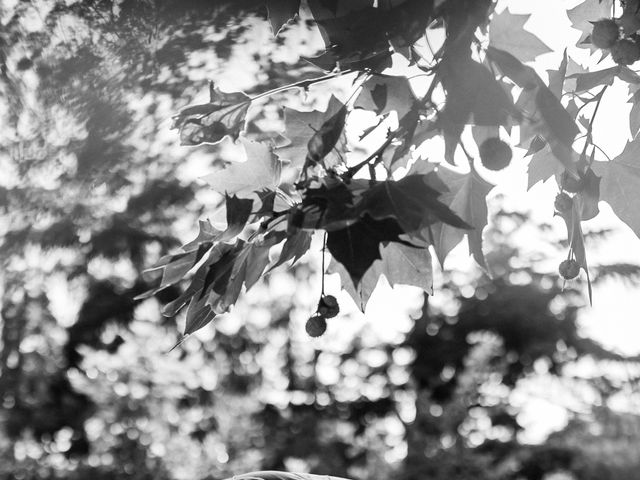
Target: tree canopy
(381,211)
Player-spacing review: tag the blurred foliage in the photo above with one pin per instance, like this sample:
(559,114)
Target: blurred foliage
(93,193)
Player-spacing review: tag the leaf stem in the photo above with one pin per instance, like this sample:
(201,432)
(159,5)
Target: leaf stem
(375,155)
(300,84)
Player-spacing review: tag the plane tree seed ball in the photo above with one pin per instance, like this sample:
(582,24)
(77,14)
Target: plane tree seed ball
(569,269)
(625,52)
(563,203)
(495,154)
(328,306)
(605,33)
(316,326)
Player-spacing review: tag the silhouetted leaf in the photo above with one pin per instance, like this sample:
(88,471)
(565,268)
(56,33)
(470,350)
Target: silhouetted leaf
(467,197)
(301,126)
(323,141)
(294,247)
(589,195)
(211,122)
(410,201)
(507,32)
(357,246)
(589,80)
(586,12)
(620,186)
(280,12)
(382,94)
(473,97)
(542,166)
(543,110)
(399,263)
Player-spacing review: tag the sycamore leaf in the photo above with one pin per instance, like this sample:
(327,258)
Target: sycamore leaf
(301,126)
(210,122)
(357,246)
(245,268)
(589,80)
(399,263)
(467,197)
(589,194)
(620,186)
(507,32)
(238,213)
(261,170)
(354,40)
(199,314)
(178,265)
(473,96)
(634,114)
(557,77)
(294,247)
(197,284)
(411,201)
(542,109)
(328,207)
(326,138)
(586,12)
(542,166)
(175,267)
(383,93)
(206,233)
(280,12)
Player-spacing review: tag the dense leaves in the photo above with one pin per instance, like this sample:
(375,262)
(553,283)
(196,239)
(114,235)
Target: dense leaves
(372,223)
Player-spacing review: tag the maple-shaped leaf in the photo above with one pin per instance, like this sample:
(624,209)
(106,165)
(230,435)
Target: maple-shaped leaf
(261,170)
(620,186)
(355,40)
(301,126)
(541,108)
(467,197)
(558,77)
(384,93)
(294,248)
(588,80)
(410,201)
(542,166)
(328,207)
(199,315)
(507,32)
(588,196)
(243,269)
(399,263)
(323,141)
(280,12)
(197,284)
(473,97)
(210,122)
(357,246)
(634,114)
(176,266)
(238,211)
(586,12)
(206,233)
